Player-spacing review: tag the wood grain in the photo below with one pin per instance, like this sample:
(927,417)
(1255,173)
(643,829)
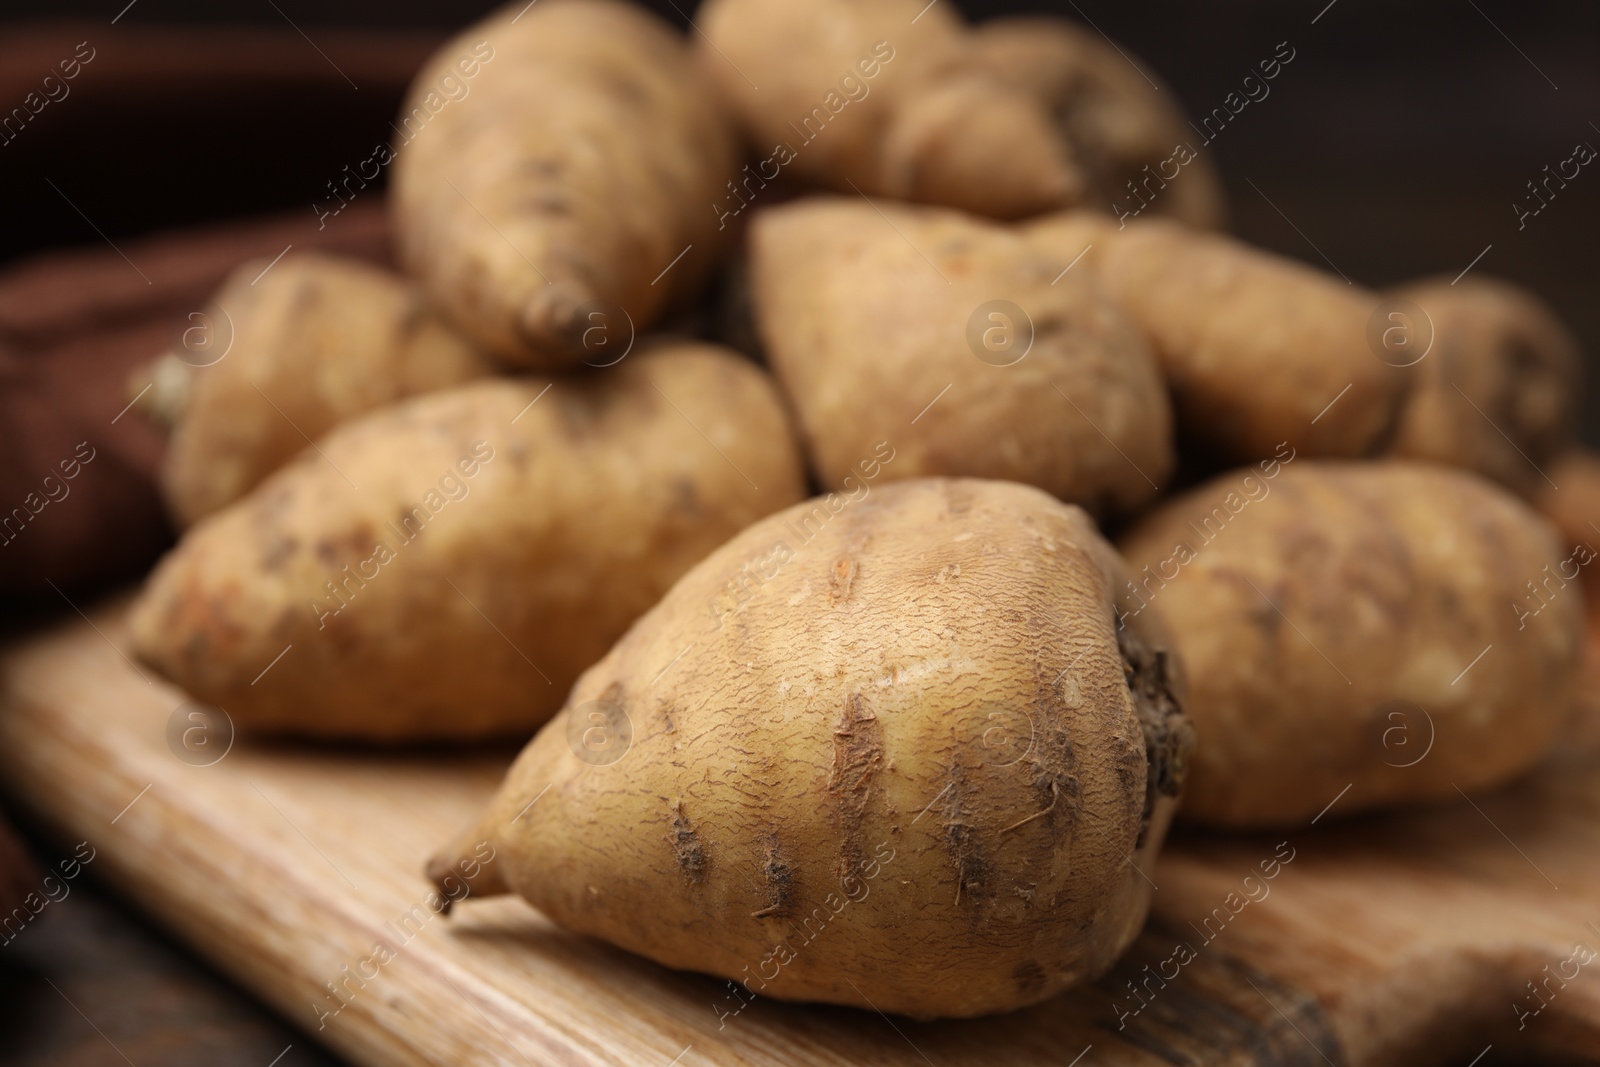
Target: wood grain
(1403,939)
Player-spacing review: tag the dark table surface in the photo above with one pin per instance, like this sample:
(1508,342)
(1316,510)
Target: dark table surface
(89,983)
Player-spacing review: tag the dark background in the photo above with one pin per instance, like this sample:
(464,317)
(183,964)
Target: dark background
(1396,141)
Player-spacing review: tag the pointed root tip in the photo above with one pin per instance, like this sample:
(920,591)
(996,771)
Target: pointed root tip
(552,323)
(440,870)
(461,871)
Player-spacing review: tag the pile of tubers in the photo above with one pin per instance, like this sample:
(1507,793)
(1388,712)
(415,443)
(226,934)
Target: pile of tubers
(1024,528)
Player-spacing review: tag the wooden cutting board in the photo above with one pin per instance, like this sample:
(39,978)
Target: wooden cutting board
(1382,940)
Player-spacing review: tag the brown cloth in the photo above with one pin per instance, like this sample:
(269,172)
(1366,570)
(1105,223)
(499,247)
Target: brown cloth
(18,877)
(150,127)
(78,502)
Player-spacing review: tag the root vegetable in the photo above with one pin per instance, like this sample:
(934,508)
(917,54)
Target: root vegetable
(898,751)
(445,567)
(1257,349)
(882,98)
(1497,391)
(558,160)
(288,355)
(887,328)
(1121,126)
(1374,626)
(1571,500)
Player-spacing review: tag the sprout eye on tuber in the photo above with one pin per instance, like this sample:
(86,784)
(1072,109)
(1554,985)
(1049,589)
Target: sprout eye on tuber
(912,764)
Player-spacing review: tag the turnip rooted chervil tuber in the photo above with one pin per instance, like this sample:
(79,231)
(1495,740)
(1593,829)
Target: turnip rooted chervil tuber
(1399,631)
(562,179)
(890,750)
(445,567)
(303,347)
(868,326)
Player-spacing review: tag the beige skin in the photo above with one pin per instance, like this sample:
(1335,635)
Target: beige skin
(896,107)
(314,341)
(1497,392)
(578,514)
(1120,126)
(1255,346)
(582,159)
(865,333)
(1571,500)
(1332,627)
(904,769)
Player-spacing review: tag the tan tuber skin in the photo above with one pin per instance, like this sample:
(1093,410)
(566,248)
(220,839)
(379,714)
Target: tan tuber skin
(1121,127)
(1571,500)
(1331,618)
(905,761)
(1498,390)
(287,356)
(1257,348)
(883,98)
(548,523)
(571,168)
(866,334)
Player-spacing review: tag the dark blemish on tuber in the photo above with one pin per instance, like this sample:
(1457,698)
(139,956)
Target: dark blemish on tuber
(549,204)
(842,578)
(1168,736)
(1053,763)
(1047,326)
(686,499)
(415,314)
(857,751)
(1029,977)
(307,295)
(546,167)
(686,846)
(961,842)
(630,91)
(780,880)
(971,867)
(957,497)
(277,550)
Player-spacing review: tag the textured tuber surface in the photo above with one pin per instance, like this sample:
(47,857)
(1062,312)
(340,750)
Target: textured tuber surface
(445,568)
(874,342)
(1256,348)
(1390,627)
(288,355)
(556,160)
(889,753)
(1497,391)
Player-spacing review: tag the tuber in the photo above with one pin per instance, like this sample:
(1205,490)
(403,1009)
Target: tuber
(1571,500)
(444,567)
(888,751)
(287,354)
(1400,629)
(558,174)
(1256,348)
(881,98)
(975,348)
(1129,140)
(1496,389)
